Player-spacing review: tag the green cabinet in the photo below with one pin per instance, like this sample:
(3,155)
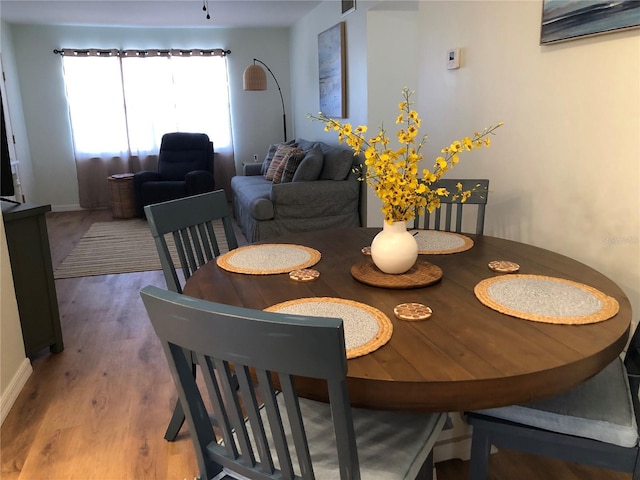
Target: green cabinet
(28,243)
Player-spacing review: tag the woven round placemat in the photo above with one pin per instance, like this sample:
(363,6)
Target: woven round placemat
(365,328)
(546,299)
(269,258)
(422,274)
(436,242)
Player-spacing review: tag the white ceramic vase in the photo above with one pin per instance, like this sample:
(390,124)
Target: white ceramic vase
(394,250)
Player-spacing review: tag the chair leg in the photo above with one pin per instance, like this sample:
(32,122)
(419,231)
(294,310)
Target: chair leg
(426,471)
(178,418)
(175,424)
(480,452)
(636,470)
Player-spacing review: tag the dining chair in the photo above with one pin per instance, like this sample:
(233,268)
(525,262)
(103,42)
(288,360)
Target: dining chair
(595,423)
(190,222)
(454,208)
(273,433)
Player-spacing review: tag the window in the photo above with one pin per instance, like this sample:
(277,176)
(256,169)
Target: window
(122,102)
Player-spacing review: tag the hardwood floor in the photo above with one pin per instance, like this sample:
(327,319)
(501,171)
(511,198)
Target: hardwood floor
(99,409)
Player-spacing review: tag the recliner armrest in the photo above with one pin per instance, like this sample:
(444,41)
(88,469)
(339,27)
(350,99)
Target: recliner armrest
(145,176)
(199,181)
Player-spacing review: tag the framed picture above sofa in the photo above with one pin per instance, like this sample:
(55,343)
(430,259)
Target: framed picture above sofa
(331,68)
(570,19)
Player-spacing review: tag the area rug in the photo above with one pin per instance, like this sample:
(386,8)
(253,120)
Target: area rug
(122,246)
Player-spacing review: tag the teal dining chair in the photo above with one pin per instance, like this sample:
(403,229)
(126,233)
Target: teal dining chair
(192,223)
(595,423)
(263,430)
(452,220)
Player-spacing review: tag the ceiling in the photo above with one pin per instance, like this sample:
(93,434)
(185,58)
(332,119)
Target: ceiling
(158,13)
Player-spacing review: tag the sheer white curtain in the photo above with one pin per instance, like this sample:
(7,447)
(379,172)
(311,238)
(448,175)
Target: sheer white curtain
(121,104)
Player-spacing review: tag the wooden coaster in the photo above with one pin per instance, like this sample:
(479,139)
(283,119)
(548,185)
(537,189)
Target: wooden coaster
(412,312)
(422,274)
(304,275)
(503,266)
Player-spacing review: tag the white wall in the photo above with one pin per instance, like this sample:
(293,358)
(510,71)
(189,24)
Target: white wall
(14,104)
(15,368)
(565,168)
(256,116)
(304,67)
(392,52)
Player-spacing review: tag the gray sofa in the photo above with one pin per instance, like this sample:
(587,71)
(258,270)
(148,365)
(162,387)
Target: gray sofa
(322,193)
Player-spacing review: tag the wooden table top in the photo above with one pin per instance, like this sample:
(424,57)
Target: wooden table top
(466,356)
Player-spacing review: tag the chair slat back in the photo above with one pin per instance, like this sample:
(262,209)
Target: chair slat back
(453,209)
(265,351)
(190,221)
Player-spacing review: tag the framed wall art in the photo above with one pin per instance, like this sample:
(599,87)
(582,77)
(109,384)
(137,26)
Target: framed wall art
(570,19)
(331,68)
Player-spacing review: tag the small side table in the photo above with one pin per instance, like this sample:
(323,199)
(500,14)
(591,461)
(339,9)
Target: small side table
(123,204)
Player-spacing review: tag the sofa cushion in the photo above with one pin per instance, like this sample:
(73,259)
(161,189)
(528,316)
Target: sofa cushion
(310,167)
(292,165)
(306,144)
(280,156)
(337,163)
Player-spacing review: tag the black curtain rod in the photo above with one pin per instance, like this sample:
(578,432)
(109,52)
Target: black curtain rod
(115,51)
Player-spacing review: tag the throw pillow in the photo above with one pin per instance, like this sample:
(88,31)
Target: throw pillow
(337,163)
(269,156)
(310,167)
(278,157)
(292,165)
(277,176)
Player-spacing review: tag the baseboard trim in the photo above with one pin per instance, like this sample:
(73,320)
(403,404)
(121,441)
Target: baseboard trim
(18,382)
(66,208)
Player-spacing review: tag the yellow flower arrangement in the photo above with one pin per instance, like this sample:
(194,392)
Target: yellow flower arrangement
(393,174)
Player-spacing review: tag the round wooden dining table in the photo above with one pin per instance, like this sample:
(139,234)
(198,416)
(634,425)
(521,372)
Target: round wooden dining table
(466,356)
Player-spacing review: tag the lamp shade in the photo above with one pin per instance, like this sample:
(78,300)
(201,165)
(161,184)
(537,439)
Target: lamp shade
(254,78)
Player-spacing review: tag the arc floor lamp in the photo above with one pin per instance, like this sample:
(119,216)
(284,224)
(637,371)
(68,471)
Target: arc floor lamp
(255,79)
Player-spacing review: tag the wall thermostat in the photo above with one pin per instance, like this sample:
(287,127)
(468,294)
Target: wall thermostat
(453,58)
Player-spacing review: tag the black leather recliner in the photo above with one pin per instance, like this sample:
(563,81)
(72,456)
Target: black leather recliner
(185,168)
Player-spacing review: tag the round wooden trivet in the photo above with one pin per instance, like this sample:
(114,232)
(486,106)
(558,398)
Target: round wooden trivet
(546,293)
(412,312)
(354,325)
(304,275)
(259,259)
(422,274)
(503,266)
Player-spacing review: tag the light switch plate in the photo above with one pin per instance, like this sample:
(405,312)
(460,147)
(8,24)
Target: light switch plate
(453,58)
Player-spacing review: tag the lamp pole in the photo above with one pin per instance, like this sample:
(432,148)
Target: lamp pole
(284,116)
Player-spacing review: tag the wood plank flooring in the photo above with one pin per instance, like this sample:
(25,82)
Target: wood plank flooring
(98,410)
